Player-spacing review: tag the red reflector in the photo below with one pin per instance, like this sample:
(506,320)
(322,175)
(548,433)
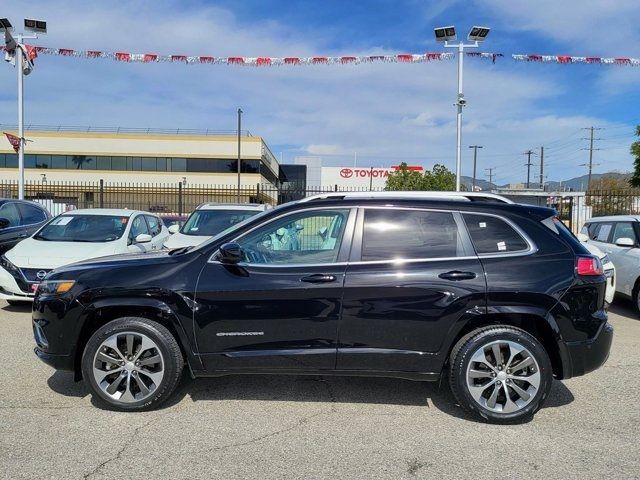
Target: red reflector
(589,266)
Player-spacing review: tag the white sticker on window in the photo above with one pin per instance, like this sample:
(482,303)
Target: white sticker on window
(502,246)
(482,224)
(62,220)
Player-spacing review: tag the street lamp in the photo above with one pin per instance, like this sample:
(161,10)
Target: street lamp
(447,35)
(24,66)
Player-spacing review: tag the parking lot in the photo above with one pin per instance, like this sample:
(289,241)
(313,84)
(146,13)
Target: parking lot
(299,427)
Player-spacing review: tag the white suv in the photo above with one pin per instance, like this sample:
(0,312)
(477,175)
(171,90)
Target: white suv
(210,219)
(619,238)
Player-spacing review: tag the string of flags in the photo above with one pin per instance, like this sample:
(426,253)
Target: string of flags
(31,52)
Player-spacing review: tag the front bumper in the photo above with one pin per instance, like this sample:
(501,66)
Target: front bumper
(10,290)
(59,362)
(585,357)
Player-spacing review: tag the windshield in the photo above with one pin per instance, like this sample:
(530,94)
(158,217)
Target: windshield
(211,222)
(83,228)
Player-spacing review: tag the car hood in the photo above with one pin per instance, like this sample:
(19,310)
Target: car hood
(32,253)
(179,240)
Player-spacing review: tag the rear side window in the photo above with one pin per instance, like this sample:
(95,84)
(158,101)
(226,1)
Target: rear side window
(409,234)
(493,235)
(31,214)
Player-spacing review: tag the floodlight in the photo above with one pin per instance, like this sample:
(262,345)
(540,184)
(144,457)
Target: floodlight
(38,26)
(9,42)
(445,34)
(478,34)
(5,25)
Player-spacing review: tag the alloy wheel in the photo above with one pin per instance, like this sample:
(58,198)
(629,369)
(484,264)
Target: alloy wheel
(128,367)
(503,376)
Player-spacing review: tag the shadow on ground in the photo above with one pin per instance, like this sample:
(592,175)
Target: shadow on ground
(22,307)
(624,307)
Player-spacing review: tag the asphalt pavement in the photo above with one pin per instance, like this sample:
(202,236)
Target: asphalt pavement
(291,427)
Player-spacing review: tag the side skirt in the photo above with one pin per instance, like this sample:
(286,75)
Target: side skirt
(414,376)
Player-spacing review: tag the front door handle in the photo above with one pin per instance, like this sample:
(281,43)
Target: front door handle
(318,278)
(23,235)
(456,275)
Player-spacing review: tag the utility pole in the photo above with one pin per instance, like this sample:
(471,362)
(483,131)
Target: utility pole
(239,157)
(542,168)
(528,153)
(591,149)
(475,158)
(490,174)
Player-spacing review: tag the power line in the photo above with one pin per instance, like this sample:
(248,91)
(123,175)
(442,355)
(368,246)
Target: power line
(590,164)
(528,153)
(490,174)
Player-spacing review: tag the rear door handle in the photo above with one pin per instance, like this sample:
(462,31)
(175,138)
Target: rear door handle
(318,278)
(23,235)
(456,275)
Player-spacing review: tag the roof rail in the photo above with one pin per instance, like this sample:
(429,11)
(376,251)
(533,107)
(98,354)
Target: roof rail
(419,195)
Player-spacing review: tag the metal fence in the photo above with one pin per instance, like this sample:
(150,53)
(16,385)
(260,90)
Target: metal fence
(162,198)
(181,198)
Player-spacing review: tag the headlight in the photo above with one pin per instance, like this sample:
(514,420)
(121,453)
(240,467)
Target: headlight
(8,266)
(57,287)
(605,259)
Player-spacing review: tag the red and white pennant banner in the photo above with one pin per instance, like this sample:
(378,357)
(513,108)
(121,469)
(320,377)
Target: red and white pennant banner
(566,59)
(250,61)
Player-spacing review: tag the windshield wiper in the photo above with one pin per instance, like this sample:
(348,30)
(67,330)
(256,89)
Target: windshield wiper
(180,250)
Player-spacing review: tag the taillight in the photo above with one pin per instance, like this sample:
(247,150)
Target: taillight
(589,266)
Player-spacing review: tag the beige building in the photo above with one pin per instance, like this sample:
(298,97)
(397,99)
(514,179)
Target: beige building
(140,155)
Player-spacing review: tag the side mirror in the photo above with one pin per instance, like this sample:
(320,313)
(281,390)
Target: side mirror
(230,253)
(625,242)
(4,223)
(143,238)
(583,237)
(175,228)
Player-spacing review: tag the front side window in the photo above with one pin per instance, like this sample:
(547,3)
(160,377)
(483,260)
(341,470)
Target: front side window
(304,238)
(9,211)
(31,214)
(493,235)
(601,232)
(623,230)
(391,234)
(211,222)
(83,228)
(155,227)
(138,227)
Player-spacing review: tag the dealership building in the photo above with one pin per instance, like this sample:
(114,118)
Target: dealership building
(139,155)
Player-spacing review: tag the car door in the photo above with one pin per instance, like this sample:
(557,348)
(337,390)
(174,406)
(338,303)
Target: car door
(278,308)
(138,226)
(14,231)
(412,275)
(32,217)
(155,229)
(626,259)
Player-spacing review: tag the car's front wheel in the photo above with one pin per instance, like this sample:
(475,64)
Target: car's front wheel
(132,364)
(500,373)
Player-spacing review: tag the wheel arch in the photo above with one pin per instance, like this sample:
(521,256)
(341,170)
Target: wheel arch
(104,311)
(542,327)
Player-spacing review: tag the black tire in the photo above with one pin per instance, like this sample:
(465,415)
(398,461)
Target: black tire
(461,357)
(166,343)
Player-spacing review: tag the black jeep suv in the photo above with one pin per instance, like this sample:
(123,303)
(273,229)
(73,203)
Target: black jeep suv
(497,298)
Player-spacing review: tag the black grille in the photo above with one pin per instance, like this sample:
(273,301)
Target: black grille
(31,274)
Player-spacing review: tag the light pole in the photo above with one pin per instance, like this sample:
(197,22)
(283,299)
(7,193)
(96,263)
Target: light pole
(475,158)
(239,158)
(19,52)
(447,35)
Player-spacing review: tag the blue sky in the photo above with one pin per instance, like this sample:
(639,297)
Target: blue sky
(385,113)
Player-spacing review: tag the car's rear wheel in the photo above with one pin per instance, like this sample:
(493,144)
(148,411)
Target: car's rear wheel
(502,374)
(132,364)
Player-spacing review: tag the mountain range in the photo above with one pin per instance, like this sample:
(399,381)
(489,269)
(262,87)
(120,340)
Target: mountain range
(575,184)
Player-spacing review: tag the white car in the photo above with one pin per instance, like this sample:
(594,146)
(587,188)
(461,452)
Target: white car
(74,236)
(619,237)
(607,265)
(208,220)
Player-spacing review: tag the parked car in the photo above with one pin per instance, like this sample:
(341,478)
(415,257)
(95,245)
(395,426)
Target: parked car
(618,237)
(73,236)
(170,220)
(19,219)
(208,220)
(607,265)
(495,298)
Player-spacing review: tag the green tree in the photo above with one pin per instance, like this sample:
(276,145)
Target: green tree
(404,179)
(635,151)
(440,178)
